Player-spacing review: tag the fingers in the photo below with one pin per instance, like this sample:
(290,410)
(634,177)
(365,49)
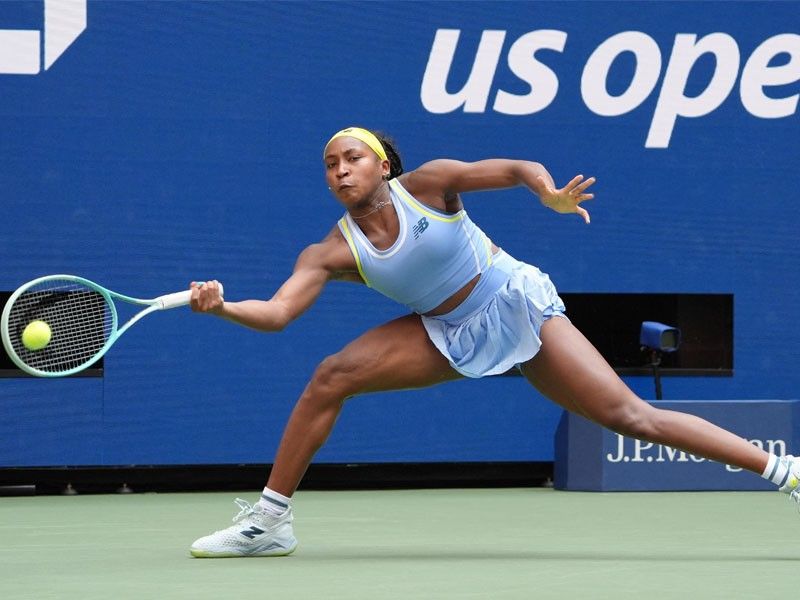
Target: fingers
(573,182)
(212,288)
(206,296)
(579,187)
(576,188)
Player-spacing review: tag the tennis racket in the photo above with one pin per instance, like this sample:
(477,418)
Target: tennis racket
(83,322)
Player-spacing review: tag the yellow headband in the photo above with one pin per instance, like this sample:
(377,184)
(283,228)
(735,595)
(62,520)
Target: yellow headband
(363,135)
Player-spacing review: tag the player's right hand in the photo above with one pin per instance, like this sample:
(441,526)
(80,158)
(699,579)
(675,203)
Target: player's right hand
(206,297)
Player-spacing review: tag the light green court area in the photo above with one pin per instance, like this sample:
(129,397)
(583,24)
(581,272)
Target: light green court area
(486,543)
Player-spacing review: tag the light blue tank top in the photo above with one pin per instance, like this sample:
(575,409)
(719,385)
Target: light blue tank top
(435,254)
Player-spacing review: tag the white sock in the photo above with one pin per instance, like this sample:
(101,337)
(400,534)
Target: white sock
(273,502)
(777,470)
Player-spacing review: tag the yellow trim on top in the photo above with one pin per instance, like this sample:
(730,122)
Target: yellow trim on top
(488,248)
(417,205)
(350,242)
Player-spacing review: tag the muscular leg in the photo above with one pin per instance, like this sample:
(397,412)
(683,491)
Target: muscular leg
(570,371)
(396,355)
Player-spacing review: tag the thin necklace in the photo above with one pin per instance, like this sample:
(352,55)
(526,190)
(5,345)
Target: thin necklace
(377,207)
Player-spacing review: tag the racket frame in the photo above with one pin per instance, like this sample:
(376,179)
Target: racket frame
(164,302)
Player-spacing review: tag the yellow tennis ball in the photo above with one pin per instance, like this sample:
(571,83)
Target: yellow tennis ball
(36,335)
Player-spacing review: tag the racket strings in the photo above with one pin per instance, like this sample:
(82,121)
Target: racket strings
(80,319)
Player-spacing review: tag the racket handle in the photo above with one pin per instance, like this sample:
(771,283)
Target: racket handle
(180,298)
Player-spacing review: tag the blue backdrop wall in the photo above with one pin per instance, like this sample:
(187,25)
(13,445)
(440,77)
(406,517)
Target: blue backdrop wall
(173,141)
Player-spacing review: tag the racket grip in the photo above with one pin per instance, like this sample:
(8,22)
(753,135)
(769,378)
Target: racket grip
(180,298)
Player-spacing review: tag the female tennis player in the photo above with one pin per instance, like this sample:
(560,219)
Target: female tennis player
(475,311)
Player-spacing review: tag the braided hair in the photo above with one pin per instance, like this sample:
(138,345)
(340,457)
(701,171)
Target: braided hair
(395,163)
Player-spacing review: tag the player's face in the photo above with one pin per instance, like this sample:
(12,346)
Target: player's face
(353,171)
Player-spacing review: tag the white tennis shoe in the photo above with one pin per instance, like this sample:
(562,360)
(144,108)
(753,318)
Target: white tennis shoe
(255,533)
(792,484)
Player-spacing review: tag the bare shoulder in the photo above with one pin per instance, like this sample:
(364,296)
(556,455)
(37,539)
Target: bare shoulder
(432,183)
(434,174)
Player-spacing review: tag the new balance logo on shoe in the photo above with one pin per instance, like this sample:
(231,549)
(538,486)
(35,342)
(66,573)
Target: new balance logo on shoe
(420,227)
(252,532)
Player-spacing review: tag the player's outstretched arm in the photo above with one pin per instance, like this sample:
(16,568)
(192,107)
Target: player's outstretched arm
(315,266)
(448,177)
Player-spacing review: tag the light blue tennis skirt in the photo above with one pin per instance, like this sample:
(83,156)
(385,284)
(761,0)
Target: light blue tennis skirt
(497,326)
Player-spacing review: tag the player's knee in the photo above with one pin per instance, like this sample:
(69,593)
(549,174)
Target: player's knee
(334,377)
(634,419)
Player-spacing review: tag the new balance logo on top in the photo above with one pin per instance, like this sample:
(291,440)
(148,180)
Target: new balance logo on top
(420,227)
(251,532)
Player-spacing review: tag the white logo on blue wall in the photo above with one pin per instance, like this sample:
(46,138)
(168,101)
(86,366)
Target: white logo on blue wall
(637,451)
(761,81)
(21,49)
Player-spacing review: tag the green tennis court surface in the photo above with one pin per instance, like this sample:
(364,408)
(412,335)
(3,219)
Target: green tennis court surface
(487,543)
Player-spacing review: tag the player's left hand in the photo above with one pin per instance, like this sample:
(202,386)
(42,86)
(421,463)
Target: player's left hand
(568,198)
